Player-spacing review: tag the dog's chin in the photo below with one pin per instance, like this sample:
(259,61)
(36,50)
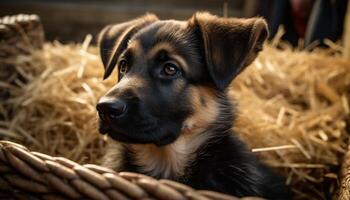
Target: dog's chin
(153,136)
(141,139)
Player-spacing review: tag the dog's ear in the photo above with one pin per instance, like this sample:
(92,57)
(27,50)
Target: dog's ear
(113,40)
(230,44)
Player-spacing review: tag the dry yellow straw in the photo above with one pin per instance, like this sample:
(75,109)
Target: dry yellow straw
(293,108)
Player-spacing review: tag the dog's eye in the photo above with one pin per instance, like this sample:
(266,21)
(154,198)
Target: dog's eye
(170,69)
(123,67)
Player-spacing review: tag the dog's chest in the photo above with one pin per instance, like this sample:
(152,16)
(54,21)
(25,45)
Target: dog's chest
(170,161)
(162,162)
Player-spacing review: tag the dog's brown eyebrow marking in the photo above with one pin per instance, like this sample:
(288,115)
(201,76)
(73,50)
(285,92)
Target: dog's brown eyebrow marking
(171,53)
(153,51)
(134,46)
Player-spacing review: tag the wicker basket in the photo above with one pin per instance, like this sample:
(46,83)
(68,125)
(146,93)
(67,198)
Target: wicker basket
(19,34)
(27,174)
(344,189)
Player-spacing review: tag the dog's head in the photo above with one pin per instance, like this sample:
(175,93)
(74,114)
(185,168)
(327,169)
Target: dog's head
(170,73)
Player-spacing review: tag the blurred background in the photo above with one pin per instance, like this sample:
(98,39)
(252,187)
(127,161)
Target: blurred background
(64,20)
(71,20)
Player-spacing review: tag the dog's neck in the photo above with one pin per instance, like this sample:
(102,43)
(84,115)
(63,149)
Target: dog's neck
(171,161)
(168,161)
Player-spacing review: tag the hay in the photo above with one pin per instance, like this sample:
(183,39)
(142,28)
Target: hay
(293,109)
(55,111)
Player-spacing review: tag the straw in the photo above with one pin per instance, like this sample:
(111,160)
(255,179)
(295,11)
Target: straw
(293,109)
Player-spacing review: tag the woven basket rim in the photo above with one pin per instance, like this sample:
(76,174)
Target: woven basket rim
(32,173)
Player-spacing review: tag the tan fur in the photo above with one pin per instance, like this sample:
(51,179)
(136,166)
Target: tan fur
(160,46)
(135,47)
(167,162)
(171,160)
(203,114)
(113,158)
(172,54)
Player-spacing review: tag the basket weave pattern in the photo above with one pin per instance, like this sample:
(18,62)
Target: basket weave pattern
(27,174)
(344,190)
(20,34)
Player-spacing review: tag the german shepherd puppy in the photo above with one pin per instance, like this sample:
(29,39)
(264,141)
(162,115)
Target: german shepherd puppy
(170,113)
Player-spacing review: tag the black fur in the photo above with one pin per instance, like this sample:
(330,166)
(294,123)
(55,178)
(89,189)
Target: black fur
(158,106)
(225,164)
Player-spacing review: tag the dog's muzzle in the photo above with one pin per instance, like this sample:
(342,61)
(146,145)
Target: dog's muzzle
(124,120)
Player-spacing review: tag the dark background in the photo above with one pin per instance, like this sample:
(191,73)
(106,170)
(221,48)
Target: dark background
(72,20)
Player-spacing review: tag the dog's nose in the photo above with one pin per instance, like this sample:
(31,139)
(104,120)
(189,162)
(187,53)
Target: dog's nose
(110,108)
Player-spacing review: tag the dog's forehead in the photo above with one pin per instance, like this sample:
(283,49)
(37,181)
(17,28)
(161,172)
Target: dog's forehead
(177,35)
(166,31)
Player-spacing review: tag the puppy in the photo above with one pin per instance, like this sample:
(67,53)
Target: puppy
(169,114)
